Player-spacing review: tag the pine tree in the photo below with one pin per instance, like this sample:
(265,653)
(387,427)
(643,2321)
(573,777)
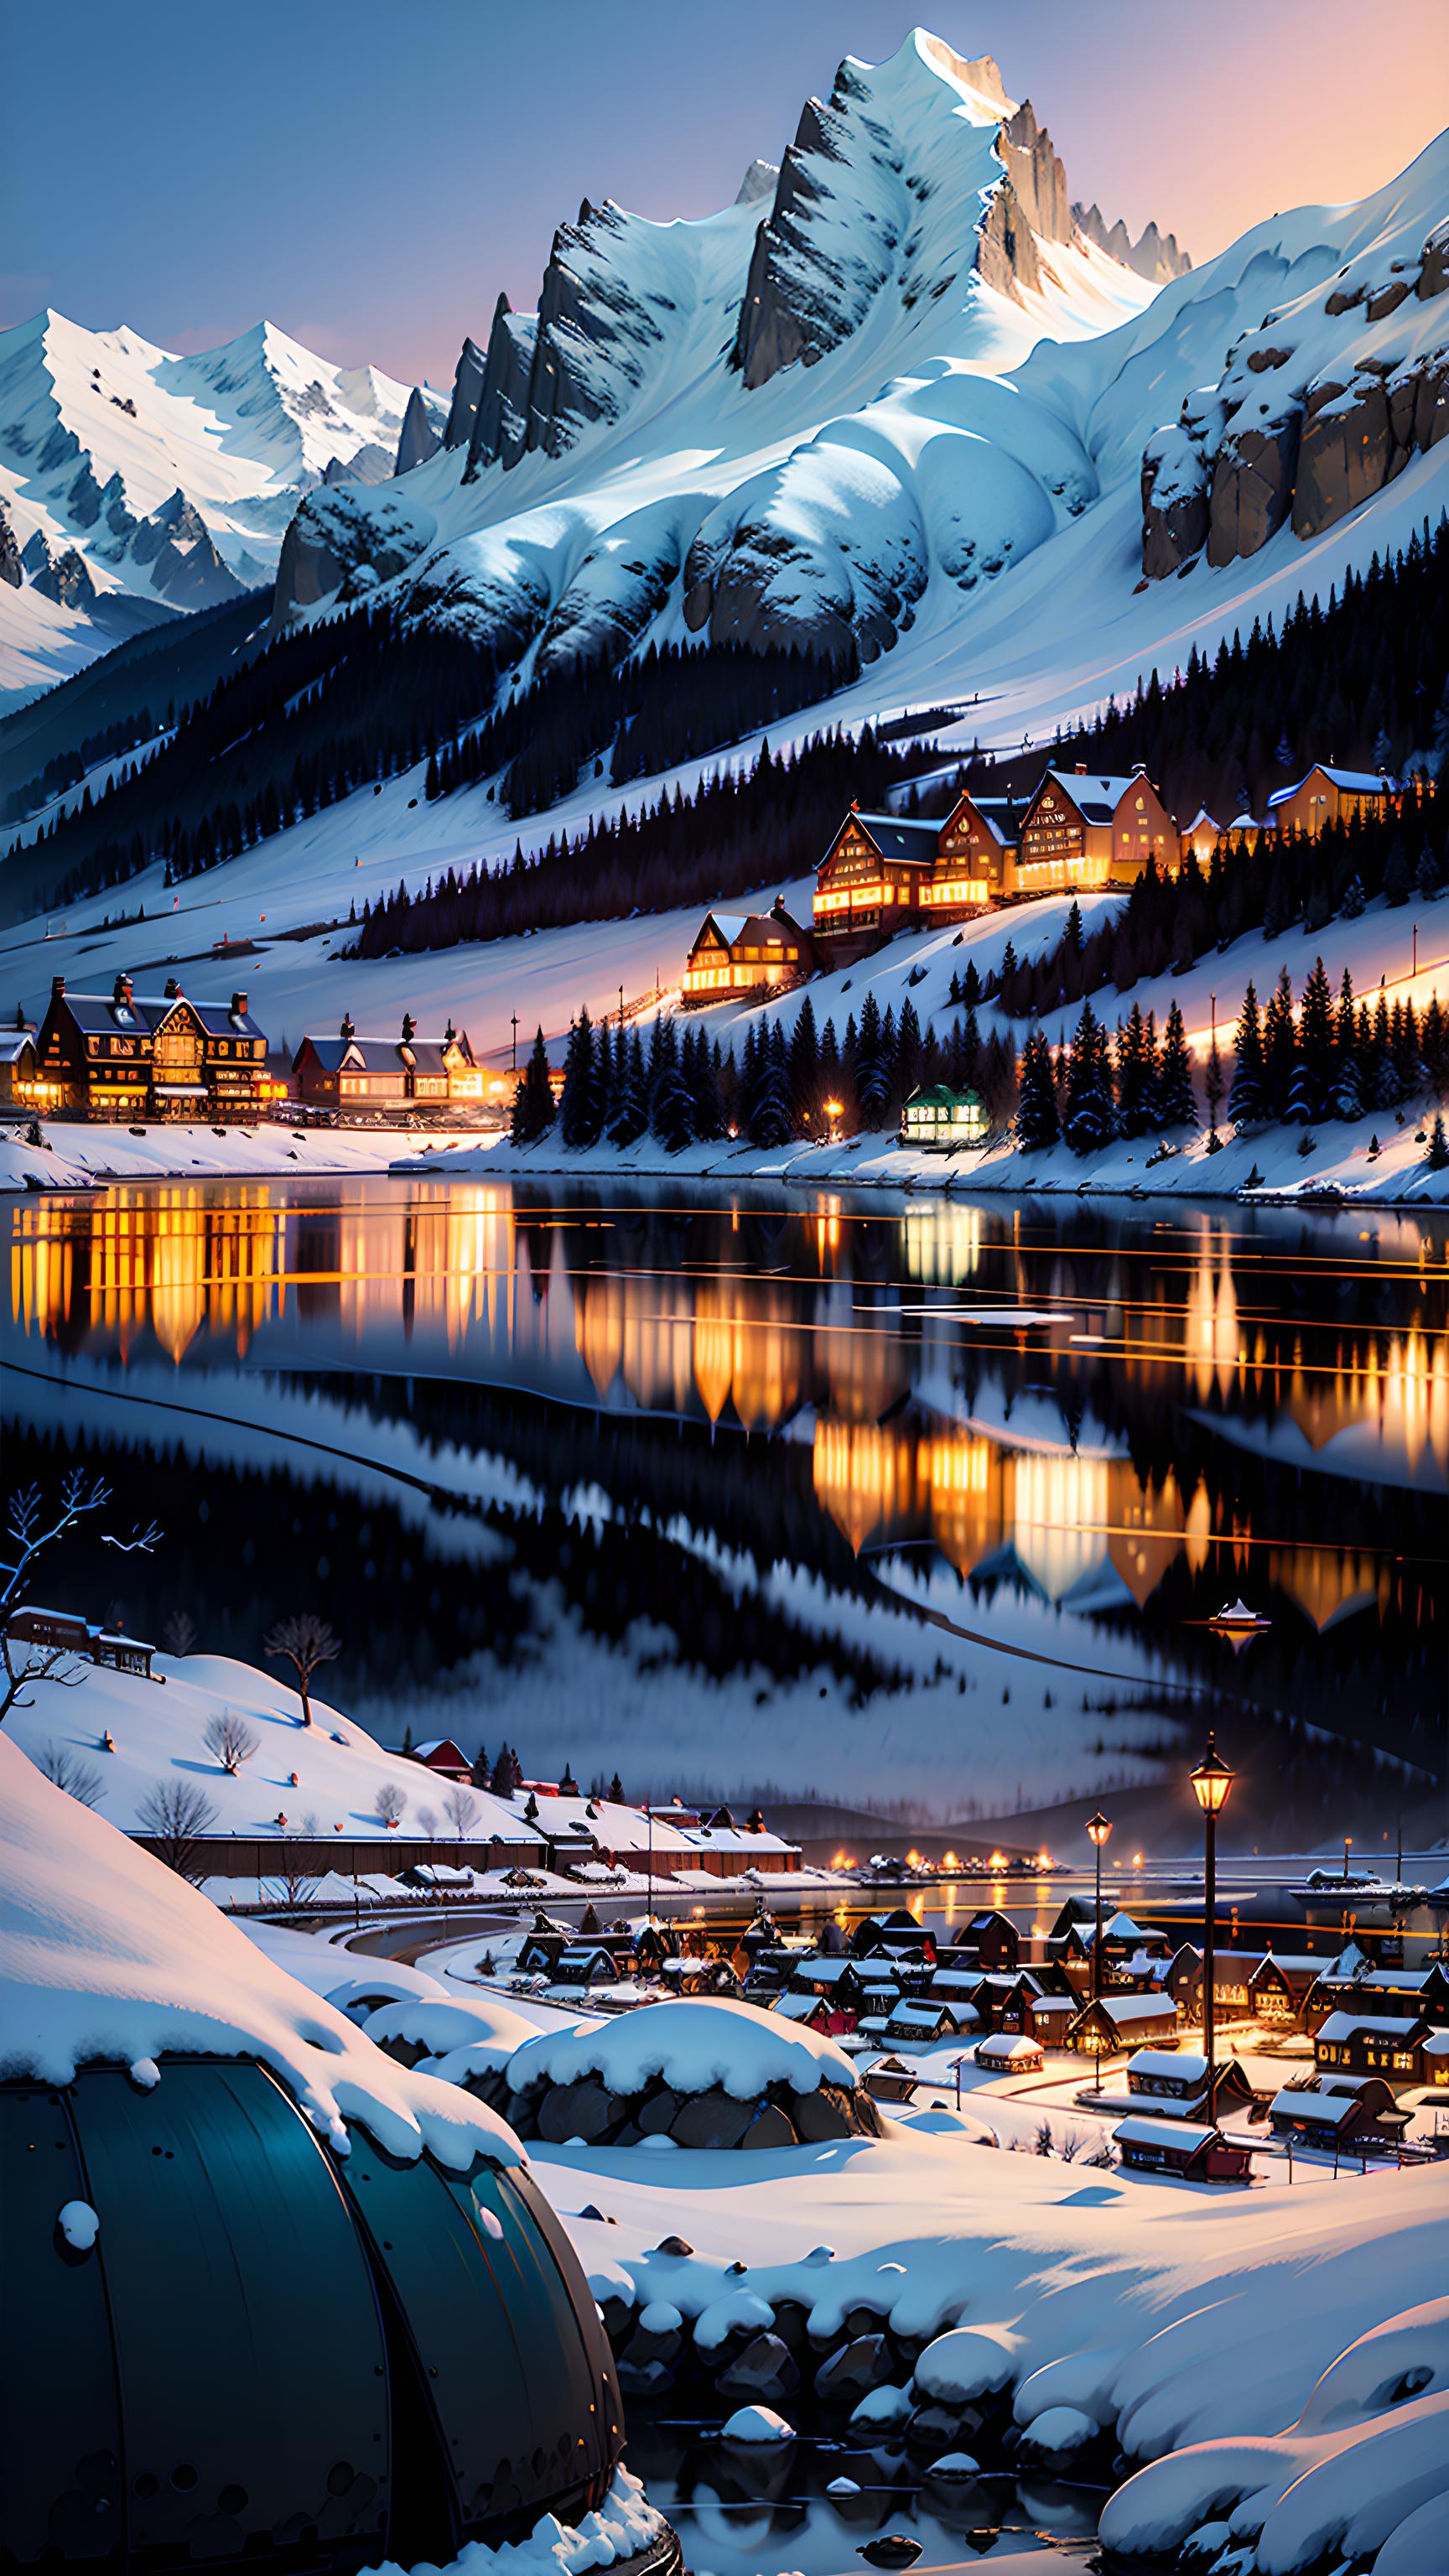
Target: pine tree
(576,1112)
(1089,1121)
(909,1052)
(615,1791)
(1214,1087)
(631,1096)
(805,1065)
(1136,1105)
(1037,1122)
(1398,881)
(872,1071)
(1318,1041)
(1176,1100)
(533,1111)
(671,1101)
(772,1118)
(479,1774)
(1436,1153)
(1247,1097)
(1280,1047)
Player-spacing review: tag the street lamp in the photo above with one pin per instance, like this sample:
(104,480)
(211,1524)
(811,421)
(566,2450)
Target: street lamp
(1098,1828)
(1211,1782)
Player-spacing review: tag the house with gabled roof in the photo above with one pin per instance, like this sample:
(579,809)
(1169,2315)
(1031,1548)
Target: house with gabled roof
(1086,829)
(736,953)
(975,849)
(869,883)
(1327,794)
(349,1072)
(126,1055)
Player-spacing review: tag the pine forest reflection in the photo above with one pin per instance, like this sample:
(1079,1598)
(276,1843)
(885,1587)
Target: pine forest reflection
(1076,1429)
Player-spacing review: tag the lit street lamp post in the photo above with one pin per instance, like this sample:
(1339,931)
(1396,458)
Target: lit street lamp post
(1211,1782)
(1098,1828)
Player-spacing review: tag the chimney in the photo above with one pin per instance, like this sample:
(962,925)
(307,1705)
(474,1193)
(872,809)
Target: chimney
(173,990)
(1139,768)
(348,1029)
(409,1028)
(1080,770)
(57,988)
(238,1006)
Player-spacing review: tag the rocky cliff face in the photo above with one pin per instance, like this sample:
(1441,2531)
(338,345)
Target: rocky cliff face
(1153,255)
(467,386)
(1315,412)
(10,572)
(417,439)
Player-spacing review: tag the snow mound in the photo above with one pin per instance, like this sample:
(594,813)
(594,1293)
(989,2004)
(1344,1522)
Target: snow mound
(1362,2478)
(448,2024)
(622,2528)
(105,1954)
(691,2046)
(757,2424)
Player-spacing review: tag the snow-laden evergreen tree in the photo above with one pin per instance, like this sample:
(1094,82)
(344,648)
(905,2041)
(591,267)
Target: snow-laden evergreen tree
(577,1108)
(533,1110)
(805,1064)
(1247,1095)
(1213,1085)
(1136,1103)
(1037,1122)
(1398,876)
(1089,1119)
(772,1112)
(1318,1041)
(1280,1046)
(702,1076)
(1427,880)
(631,1093)
(1436,1152)
(671,1103)
(910,1051)
(1176,1099)
(1353,900)
(872,1066)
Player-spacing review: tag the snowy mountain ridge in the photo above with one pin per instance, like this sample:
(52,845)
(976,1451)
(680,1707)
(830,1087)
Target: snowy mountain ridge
(135,482)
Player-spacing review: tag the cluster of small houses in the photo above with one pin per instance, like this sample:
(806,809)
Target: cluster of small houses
(125,1055)
(121,1055)
(1080,832)
(1379,2033)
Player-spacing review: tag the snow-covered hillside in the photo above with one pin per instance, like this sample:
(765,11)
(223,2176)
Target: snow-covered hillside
(913,375)
(134,483)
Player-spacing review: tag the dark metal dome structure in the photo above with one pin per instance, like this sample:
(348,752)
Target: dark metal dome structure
(271,2352)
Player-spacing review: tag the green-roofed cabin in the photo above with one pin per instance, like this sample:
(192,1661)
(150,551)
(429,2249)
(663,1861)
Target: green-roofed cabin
(938,1120)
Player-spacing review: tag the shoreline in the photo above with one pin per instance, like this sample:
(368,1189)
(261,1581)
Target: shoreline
(1264,1169)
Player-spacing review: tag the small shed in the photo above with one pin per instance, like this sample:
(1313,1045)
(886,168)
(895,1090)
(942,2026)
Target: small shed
(938,1120)
(1186,2147)
(920,2025)
(891,2080)
(1010,2054)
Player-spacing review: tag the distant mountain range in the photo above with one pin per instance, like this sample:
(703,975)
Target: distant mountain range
(134,484)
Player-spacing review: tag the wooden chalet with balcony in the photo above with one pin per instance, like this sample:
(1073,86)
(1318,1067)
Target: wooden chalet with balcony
(869,883)
(1338,2111)
(131,1056)
(1085,830)
(351,1073)
(740,953)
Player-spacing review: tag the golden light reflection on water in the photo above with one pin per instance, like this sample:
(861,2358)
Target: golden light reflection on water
(839,1328)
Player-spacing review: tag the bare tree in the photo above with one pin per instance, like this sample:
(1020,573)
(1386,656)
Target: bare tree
(461,1809)
(176,1815)
(304,1641)
(298,1878)
(31,1526)
(231,1739)
(180,1634)
(80,1780)
(428,1824)
(391,1804)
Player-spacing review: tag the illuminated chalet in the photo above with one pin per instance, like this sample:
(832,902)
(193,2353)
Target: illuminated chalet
(349,1072)
(128,1055)
(746,952)
(1084,830)
(887,872)
(1328,795)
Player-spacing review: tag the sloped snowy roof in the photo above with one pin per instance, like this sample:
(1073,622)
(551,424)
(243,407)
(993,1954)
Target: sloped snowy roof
(105,1954)
(1350,782)
(896,838)
(1160,2063)
(1137,2132)
(1341,2026)
(1325,2110)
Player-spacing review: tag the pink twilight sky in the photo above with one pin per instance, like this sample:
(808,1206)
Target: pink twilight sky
(369,175)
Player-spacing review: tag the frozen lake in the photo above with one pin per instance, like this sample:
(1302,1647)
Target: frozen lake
(917,1508)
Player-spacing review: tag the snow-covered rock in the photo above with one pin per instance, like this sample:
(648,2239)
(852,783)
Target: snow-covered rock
(757,2424)
(692,2046)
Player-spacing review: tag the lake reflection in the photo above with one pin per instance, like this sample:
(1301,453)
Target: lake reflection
(1076,1429)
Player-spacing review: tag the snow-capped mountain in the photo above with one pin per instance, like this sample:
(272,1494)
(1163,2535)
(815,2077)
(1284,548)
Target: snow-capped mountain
(901,368)
(134,483)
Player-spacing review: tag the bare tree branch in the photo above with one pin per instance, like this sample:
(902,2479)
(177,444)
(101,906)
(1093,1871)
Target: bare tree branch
(176,1815)
(231,1739)
(140,1543)
(391,1804)
(79,1780)
(304,1641)
(461,1809)
(24,1663)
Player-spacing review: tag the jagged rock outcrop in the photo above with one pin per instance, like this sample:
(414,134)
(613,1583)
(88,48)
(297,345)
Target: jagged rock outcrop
(64,578)
(586,352)
(467,386)
(1037,175)
(417,439)
(1006,253)
(759,181)
(1153,255)
(342,543)
(10,572)
(1292,434)
(500,424)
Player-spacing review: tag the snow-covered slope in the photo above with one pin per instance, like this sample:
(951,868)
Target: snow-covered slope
(104,1954)
(134,482)
(917,369)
